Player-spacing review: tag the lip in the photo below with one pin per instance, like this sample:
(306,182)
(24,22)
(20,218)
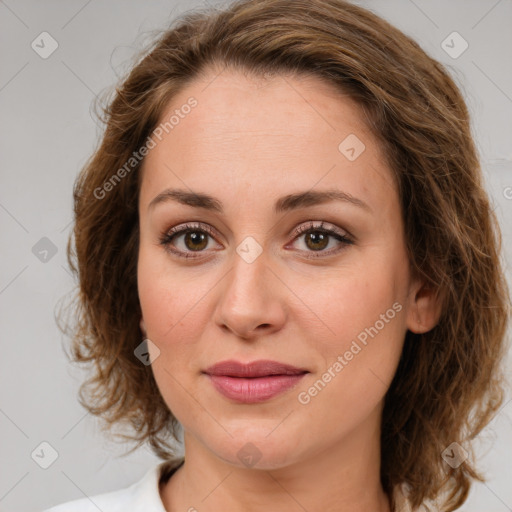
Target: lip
(253,382)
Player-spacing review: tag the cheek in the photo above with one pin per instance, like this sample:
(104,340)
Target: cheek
(363,318)
(153,296)
(167,298)
(351,299)
(173,324)
(359,360)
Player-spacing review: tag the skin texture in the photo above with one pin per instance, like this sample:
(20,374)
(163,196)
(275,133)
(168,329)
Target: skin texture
(249,142)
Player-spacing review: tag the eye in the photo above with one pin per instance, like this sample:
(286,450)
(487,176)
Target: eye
(194,239)
(317,238)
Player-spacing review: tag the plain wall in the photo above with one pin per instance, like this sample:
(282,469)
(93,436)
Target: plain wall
(47,133)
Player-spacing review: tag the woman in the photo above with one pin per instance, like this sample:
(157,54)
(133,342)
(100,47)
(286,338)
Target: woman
(285,248)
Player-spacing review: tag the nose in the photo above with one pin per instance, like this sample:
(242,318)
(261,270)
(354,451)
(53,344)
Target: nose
(251,299)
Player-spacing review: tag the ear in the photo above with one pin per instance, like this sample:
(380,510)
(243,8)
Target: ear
(143,327)
(424,307)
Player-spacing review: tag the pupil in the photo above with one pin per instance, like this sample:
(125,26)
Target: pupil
(318,238)
(195,238)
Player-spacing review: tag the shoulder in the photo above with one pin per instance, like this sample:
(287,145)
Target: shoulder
(402,503)
(400,500)
(142,496)
(107,502)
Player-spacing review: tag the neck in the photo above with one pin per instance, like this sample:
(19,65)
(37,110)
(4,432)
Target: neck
(343,478)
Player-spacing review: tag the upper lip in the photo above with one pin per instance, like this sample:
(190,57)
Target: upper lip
(261,368)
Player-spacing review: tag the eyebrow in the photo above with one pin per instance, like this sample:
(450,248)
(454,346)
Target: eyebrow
(283,204)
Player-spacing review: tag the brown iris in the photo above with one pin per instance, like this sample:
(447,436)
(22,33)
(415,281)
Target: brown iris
(196,237)
(318,239)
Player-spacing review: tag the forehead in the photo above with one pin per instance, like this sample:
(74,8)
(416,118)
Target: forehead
(273,135)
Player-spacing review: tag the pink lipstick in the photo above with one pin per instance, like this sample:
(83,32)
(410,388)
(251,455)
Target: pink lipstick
(253,382)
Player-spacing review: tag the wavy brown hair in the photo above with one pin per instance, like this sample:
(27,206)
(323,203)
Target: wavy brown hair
(449,383)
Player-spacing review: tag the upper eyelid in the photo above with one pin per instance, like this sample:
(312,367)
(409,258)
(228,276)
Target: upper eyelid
(301,229)
(182,229)
(306,225)
(311,225)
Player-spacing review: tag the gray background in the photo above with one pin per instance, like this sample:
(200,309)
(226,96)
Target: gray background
(47,133)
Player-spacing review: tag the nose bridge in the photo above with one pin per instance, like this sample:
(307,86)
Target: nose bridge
(246,280)
(248,297)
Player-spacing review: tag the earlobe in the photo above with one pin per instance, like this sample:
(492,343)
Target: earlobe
(424,309)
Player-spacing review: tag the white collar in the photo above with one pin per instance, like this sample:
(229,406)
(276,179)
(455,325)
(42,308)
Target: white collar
(142,496)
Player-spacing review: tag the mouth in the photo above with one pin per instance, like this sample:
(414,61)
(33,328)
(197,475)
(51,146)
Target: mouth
(253,382)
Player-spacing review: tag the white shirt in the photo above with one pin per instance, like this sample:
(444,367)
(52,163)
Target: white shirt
(144,496)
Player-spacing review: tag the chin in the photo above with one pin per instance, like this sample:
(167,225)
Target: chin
(252,447)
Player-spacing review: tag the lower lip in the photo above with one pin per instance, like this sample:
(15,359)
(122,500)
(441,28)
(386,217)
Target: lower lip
(254,390)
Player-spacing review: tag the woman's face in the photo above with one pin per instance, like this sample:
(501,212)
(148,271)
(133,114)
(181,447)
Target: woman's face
(245,285)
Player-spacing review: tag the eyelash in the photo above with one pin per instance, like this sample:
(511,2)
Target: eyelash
(310,227)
